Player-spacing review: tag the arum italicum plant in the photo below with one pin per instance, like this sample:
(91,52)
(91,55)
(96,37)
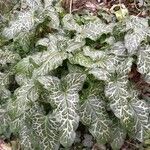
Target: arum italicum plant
(47,57)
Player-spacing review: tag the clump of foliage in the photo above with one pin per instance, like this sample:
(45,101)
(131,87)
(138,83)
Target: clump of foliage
(58,69)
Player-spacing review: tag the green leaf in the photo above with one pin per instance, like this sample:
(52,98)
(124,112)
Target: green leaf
(64,96)
(94,115)
(75,68)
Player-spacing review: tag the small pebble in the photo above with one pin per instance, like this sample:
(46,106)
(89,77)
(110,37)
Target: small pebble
(87,142)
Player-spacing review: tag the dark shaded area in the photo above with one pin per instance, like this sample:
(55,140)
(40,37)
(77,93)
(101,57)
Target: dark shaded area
(138,81)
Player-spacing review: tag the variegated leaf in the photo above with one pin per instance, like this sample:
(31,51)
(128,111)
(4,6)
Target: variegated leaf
(64,96)
(24,67)
(141,118)
(117,92)
(53,15)
(147,77)
(100,74)
(144,60)
(22,41)
(93,114)
(25,96)
(102,59)
(119,135)
(50,42)
(124,66)
(54,42)
(70,24)
(4,94)
(8,57)
(95,29)
(95,55)
(117,89)
(31,4)
(4,119)
(95,59)
(23,126)
(137,23)
(4,82)
(50,83)
(118,49)
(75,44)
(48,61)
(80,59)
(46,129)
(140,29)
(48,3)
(111,63)
(26,138)
(21,79)
(132,41)
(4,78)
(24,23)
(122,110)
(43,42)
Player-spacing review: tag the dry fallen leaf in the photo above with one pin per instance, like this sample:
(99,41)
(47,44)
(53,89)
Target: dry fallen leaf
(5,146)
(99,147)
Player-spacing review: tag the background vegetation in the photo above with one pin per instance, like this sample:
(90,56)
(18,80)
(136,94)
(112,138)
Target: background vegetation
(74,74)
